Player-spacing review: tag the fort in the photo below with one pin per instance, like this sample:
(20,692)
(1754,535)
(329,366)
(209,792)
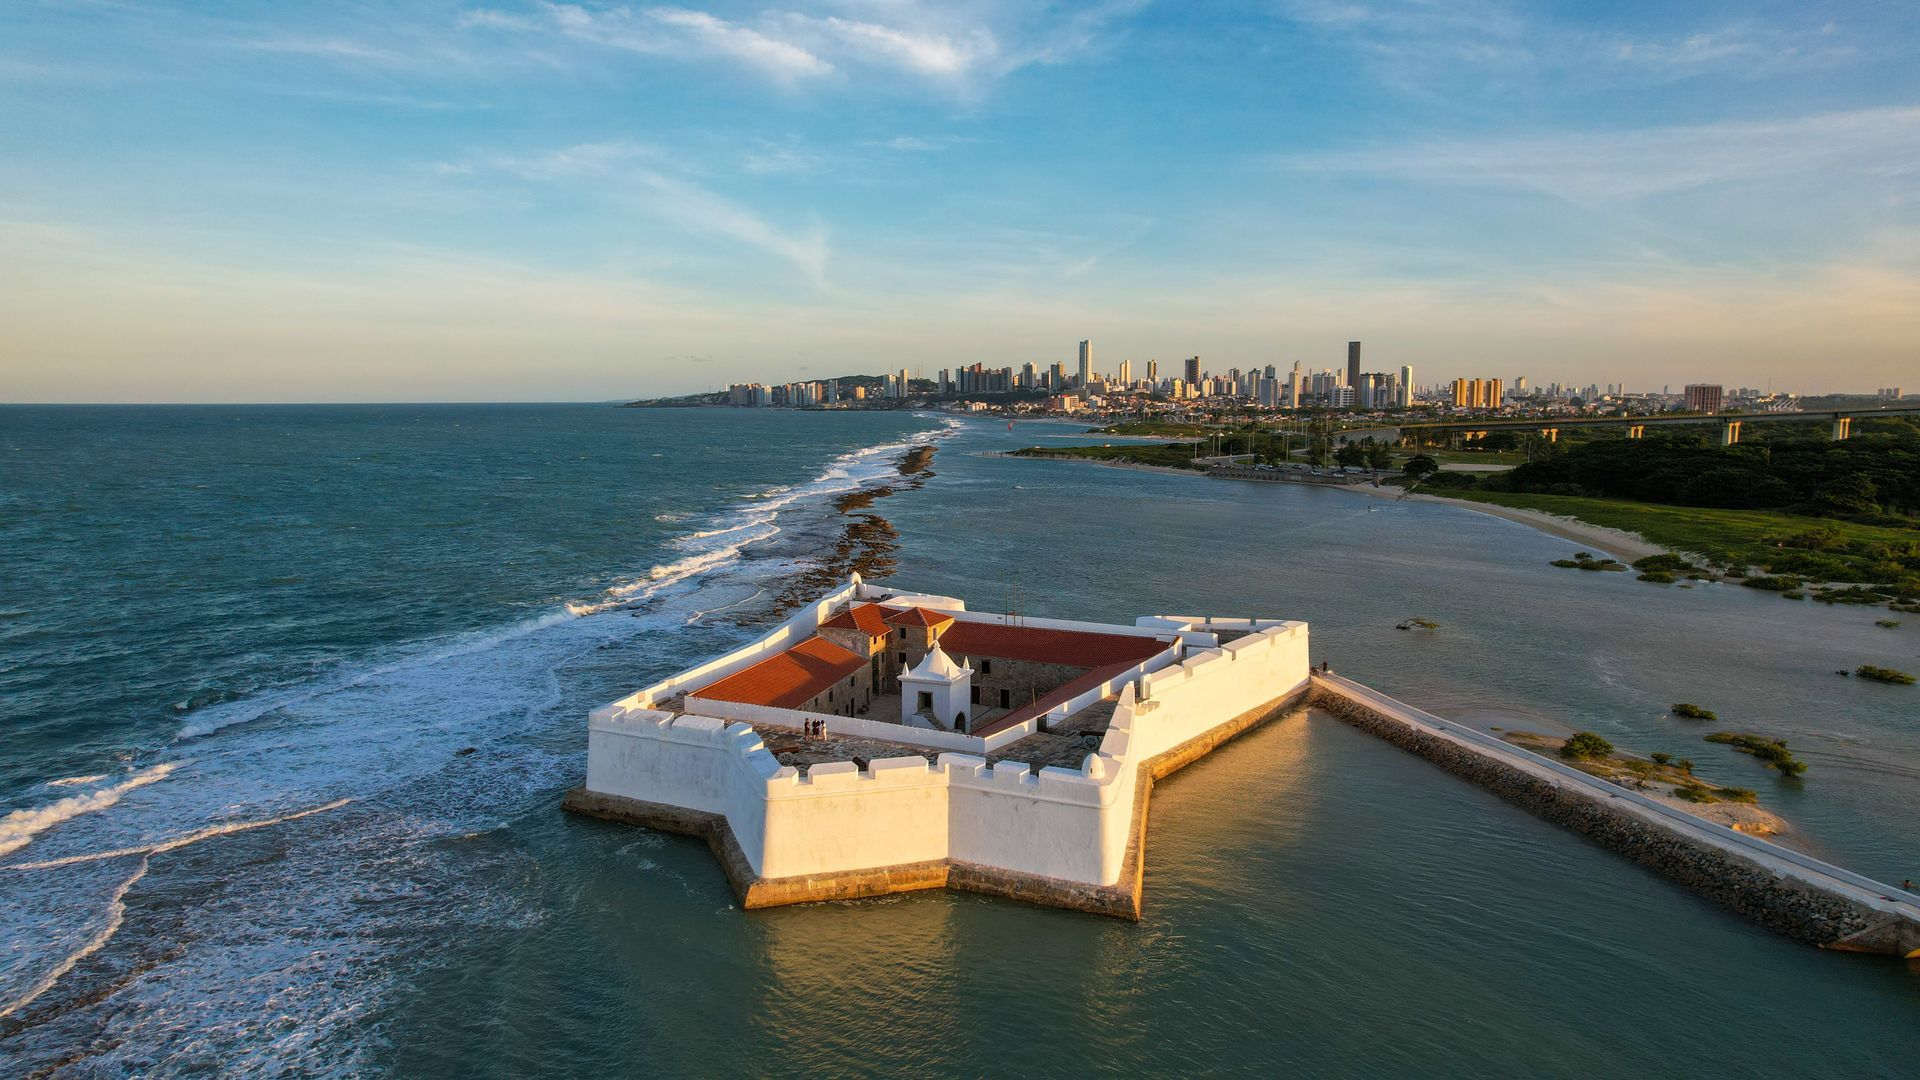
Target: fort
(883,741)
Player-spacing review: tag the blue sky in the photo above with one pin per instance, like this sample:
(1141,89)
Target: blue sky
(507,200)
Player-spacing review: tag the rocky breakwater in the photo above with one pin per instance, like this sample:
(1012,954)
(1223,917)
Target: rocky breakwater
(1782,890)
(867,541)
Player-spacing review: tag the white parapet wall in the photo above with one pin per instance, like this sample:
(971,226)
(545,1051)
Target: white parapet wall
(799,627)
(840,817)
(794,719)
(1070,824)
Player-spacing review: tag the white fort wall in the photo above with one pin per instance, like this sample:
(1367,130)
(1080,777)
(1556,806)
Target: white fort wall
(1071,824)
(774,716)
(806,622)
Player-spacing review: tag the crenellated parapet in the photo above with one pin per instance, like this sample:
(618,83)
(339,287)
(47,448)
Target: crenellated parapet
(840,829)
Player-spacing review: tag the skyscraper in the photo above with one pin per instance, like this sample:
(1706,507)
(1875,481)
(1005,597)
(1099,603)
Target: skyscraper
(1703,397)
(1126,373)
(1193,370)
(1153,372)
(1086,363)
(1353,363)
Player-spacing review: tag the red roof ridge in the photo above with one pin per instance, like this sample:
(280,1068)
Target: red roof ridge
(1047,645)
(788,679)
(868,617)
(919,616)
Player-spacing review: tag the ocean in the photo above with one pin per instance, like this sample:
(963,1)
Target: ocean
(289,695)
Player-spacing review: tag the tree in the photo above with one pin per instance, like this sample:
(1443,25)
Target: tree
(1420,466)
(1379,456)
(1319,449)
(1847,496)
(1351,455)
(1585,744)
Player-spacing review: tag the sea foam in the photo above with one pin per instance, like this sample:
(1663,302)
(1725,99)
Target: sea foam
(18,829)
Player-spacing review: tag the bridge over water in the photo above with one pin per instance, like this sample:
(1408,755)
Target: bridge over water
(1840,422)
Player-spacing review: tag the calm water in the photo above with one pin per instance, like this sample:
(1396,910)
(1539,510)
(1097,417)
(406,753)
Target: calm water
(218,617)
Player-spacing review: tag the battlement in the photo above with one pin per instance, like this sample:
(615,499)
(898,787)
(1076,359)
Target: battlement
(837,820)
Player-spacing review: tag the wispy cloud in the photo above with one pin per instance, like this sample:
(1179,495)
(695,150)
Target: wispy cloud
(644,178)
(779,59)
(676,33)
(1749,51)
(956,45)
(1609,167)
(1427,48)
(701,210)
(935,54)
(923,144)
(767,157)
(331,48)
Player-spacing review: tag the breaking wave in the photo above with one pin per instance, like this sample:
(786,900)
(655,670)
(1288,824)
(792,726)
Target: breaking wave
(116,915)
(245,711)
(18,829)
(74,781)
(178,842)
(430,740)
(724,539)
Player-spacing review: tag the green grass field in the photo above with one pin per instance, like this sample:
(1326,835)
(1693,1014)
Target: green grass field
(1155,427)
(1750,535)
(1170,455)
(1468,457)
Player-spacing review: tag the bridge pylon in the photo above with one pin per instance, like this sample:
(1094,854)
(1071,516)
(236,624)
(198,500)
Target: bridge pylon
(1842,428)
(1730,433)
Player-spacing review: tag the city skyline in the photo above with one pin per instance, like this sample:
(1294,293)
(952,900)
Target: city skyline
(522,201)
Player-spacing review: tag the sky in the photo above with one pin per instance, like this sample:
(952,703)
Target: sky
(503,200)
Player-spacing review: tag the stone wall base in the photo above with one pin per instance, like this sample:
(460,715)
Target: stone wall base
(1797,909)
(1121,900)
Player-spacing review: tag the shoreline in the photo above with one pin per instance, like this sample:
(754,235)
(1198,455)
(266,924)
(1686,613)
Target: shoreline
(868,541)
(1134,465)
(1615,542)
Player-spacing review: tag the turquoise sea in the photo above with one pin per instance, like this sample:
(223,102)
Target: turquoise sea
(289,695)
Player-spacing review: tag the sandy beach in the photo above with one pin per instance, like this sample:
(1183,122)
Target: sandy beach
(1618,543)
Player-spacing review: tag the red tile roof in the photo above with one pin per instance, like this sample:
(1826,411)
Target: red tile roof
(1075,648)
(918,616)
(788,680)
(868,617)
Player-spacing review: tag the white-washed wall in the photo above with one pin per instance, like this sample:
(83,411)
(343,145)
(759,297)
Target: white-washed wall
(1062,624)
(930,738)
(1184,702)
(695,762)
(1215,685)
(1046,822)
(1072,824)
(839,817)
